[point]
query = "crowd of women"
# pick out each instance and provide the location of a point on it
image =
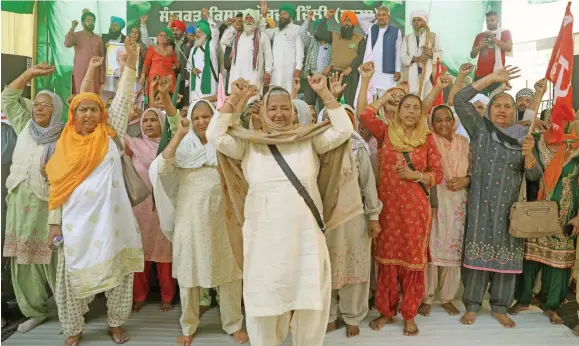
(291, 215)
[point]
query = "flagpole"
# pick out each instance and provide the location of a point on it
(541, 91)
(34, 45)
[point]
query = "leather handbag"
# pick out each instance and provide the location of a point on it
(137, 189)
(533, 219)
(431, 193)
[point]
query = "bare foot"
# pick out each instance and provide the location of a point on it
(516, 308)
(450, 309)
(352, 331)
(166, 307)
(553, 317)
(72, 340)
(504, 320)
(137, 306)
(332, 326)
(203, 309)
(380, 322)
(410, 328)
(424, 309)
(31, 323)
(468, 318)
(241, 337)
(119, 335)
(185, 340)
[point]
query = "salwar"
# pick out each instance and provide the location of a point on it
(351, 301)
(230, 307)
(33, 285)
(502, 288)
(387, 294)
(308, 327)
(166, 281)
(445, 279)
(71, 310)
(554, 285)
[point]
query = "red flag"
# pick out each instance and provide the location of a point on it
(440, 70)
(559, 72)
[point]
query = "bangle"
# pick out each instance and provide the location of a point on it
(169, 149)
(87, 80)
(429, 97)
(230, 103)
(328, 102)
(420, 178)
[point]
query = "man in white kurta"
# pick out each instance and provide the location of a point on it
(203, 81)
(420, 62)
(246, 63)
(286, 274)
(288, 48)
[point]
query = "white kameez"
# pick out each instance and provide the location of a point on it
(102, 239)
(284, 250)
(288, 53)
(411, 49)
(242, 67)
(199, 59)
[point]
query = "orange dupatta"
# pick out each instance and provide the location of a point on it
(555, 167)
(76, 156)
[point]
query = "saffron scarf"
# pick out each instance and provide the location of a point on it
(454, 152)
(398, 138)
(76, 156)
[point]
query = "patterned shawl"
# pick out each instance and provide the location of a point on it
(48, 135)
(256, 36)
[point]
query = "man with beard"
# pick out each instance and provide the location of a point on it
(86, 45)
(288, 48)
(384, 51)
(203, 62)
(182, 48)
(348, 51)
(114, 36)
(523, 99)
(251, 56)
(418, 58)
(492, 46)
(236, 23)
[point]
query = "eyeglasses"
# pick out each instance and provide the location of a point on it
(43, 104)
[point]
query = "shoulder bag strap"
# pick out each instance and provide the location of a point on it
(298, 185)
(411, 166)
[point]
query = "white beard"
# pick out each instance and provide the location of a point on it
(249, 28)
(200, 41)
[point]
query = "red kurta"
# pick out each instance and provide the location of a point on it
(158, 65)
(406, 215)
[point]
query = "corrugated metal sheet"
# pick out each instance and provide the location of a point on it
(150, 327)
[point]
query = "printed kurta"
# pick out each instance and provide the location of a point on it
(86, 45)
(497, 172)
(288, 53)
(406, 215)
(557, 251)
(202, 255)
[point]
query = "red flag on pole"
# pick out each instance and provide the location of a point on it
(440, 70)
(559, 72)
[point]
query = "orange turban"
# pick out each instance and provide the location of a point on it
(76, 156)
(351, 16)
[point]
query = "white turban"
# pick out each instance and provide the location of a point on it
(252, 13)
(420, 14)
(480, 97)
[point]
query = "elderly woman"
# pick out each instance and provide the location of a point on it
(160, 60)
(88, 199)
(409, 166)
(448, 223)
(286, 272)
(33, 266)
(553, 256)
(490, 253)
(156, 246)
(188, 194)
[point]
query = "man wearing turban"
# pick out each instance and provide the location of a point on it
(203, 63)
(182, 48)
(114, 36)
(419, 57)
(288, 48)
(251, 56)
(348, 51)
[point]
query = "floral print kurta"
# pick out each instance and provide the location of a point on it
(406, 215)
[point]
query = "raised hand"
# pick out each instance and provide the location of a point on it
(165, 84)
(155, 83)
(96, 61)
(367, 70)
(465, 69)
(74, 24)
(131, 48)
(310, 16)
(239, 86)
(144, 19)
(183, 127)
(506, 74)
(205, 13)
(266, 79)
(135, 113)
(263, 7)
(251, 91)
(40, 70)
(331, 13)
(336, 86)
(541, 86)
(444, 81)
(318, 82)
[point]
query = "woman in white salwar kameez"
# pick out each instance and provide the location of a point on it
(286, 272)
(190, 205)
(88, 199)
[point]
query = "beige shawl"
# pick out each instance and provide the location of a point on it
(337, 180)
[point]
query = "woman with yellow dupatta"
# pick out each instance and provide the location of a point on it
(89, 202)
(553, 256)
(401, 249)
